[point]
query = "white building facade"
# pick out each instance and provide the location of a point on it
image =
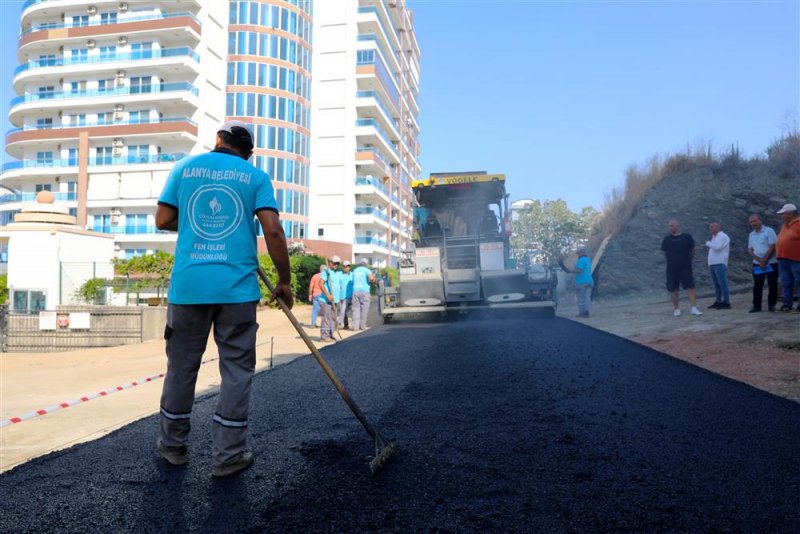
(110, 95)
(364, 136)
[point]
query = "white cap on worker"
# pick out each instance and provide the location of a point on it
(228, 126)
(336, 259)
(345, 263)
(787, 207)
(364, 261)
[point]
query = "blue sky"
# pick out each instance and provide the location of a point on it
(563, 96)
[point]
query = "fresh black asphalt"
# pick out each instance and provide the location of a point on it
(502, 425)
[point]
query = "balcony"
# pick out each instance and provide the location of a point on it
(372, 74)
(372, 161)
(370, 105)
(370, 20)
(176, 127)
(182, 26)
(370, 240)
(371, 215)
(372, 130)
(95, 97)
(127, 229)
(31, 197)
(368, 185)
(108, 61)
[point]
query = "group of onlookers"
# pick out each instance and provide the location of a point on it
(773, 256)
(335, 291)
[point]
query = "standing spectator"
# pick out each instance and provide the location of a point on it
(327, 300)
(678, 249)
(719, 251)
(314, 291)
(345, 293)
(761, 247)
(362, 277)
(583, 282)
(211, 199)
(787, 249)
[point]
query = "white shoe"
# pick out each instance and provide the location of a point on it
(695, 311)
(676, 313)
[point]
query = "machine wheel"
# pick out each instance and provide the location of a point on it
(387, 319)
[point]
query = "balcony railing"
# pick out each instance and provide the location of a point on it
(161, 120)
(127, 229)
(370, 241)
(375, 212)
(373, 9)
(377, 153)
(116, 91)
(128, 160)
(378, 128)
(377, 184)
(110, 58)
(119, 20)
(376, 96)
(31, 197)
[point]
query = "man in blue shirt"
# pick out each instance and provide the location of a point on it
(211, 200)
(362, 277)
(345, 293)
(327, 299)
(583, 282)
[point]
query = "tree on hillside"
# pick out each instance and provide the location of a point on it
(552, 228)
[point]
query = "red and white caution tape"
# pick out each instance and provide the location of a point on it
(87, 398)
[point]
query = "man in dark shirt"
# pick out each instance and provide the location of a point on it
(678, 248)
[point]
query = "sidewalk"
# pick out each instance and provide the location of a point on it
(32, 381)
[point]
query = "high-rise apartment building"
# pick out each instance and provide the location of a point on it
(269, 84)
(110, 95)
(364, 126)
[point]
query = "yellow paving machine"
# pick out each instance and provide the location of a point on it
(461, 259)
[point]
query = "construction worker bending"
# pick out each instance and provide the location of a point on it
(362, 277)
(211, 200)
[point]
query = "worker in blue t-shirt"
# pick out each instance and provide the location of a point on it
(345, 293)
(362, 277)
(583, 282)
(327, 299)
(211, 200)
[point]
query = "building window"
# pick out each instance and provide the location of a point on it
(29, 301)
(79, 54)
(103, 155)
(131, 253)
(139, 117)
(44, 158)
(80, 20)
(72, 156)
(105, 85)
(108, 18)
(108, 52)
(320, 232)
(105, 118)
(138, 153)
(102, 223)
(43, 187)
(44, 123)
(141, 50)
(141, 84)
(47, 60)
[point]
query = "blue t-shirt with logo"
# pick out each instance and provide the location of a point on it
(345, 285)
(585, 276)
(327, 277)
(217, 195)
(361, 279)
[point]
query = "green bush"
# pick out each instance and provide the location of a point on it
(3, 288)
(269, 269)
(92, 291)
(303, 268)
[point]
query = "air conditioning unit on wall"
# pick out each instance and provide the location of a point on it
(92, 10)
(123, 7)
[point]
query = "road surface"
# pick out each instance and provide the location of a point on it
(501, 425)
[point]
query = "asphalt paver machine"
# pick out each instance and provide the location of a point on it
(461, 259)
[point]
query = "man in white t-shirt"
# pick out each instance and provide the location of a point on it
(761, 247)
(719, 249)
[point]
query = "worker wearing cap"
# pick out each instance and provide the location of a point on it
(362, 277)
(787, 249)
(345, 293)
(211, 200)
(327, 299)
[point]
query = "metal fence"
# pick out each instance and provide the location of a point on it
(70, 328)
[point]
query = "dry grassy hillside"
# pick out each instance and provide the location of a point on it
(695, 188)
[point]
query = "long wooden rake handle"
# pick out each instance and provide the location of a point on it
(321, 361)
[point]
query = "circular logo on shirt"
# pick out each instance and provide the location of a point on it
(215, 211)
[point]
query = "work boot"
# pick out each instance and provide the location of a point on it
(714, 306)
(244, 461)
(174, 455)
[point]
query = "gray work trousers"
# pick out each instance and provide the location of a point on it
(344, 305)
(327, 325)
(360, 309)
(186, 335)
